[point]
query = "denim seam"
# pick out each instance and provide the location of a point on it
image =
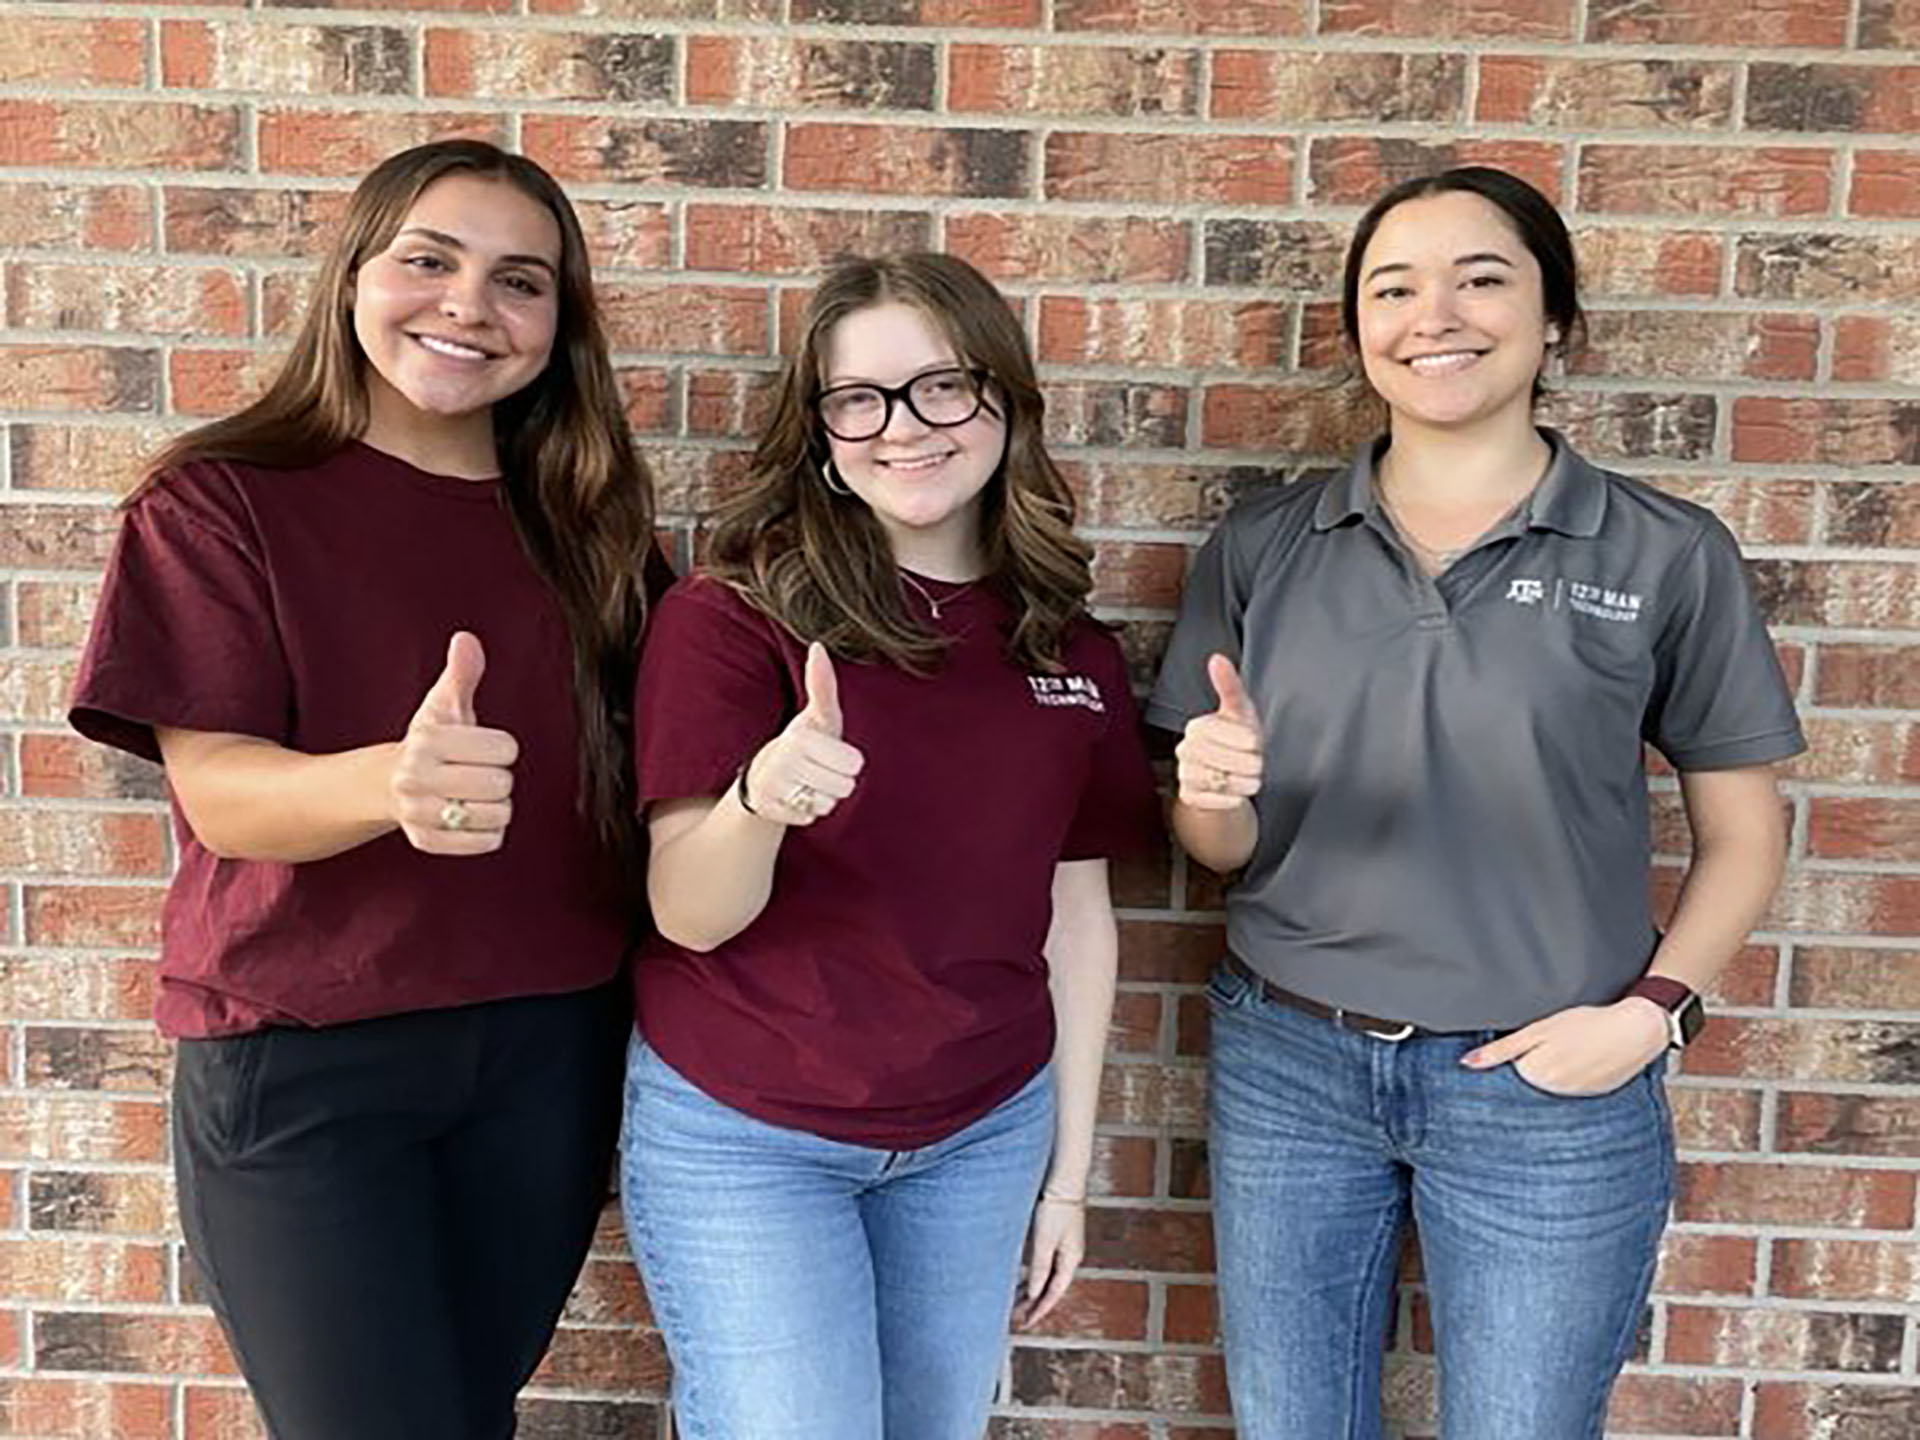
(1389, 1231)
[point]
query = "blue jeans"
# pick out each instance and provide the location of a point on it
(808, 1288)
(1539, 1219)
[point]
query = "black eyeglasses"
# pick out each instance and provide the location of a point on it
(941, 398)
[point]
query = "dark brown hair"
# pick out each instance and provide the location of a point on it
(1533, 219)
(820, 564)
(579, 495)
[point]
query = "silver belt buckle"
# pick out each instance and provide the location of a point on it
(1390, 1037)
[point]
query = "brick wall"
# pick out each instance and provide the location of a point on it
(1165, 185)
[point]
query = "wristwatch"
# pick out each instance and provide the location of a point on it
(1685, 1014)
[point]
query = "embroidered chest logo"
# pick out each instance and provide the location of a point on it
(1526, 592)
(1057, 690)
(1603, 603)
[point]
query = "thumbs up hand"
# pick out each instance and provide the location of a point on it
(1219, 760)
(803, 772)
(452, 779)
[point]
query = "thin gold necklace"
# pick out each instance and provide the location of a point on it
(1435, 558)
(927, 595)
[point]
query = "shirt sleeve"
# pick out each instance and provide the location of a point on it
(1212, 611)
(184, 635)
(714, 685)
(1719, 698)
(1119, 811)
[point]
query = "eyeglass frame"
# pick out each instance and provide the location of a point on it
(892, 395)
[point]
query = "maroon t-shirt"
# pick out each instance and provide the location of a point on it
(893, 989)
(312, 607)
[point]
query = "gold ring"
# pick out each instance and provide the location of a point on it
(453, 815)
(801, 798)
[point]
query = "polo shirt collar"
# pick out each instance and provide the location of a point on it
(1570, 498)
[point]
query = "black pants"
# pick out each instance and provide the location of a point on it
(389, 1215)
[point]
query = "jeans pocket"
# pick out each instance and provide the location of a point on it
(219, 1080)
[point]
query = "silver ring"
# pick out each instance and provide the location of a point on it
(453, 815)
(802, 798)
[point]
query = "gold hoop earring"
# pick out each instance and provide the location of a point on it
(831, 479)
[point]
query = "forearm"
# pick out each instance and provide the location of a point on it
(709, 879)
(250, 799)
(1082, 968)
(1221, 840)
(1726, 892)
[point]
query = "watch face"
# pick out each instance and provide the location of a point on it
(1688, 1020)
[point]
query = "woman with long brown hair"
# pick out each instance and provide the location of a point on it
(380, 627)
(885, 756)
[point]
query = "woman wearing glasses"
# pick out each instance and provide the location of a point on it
(885, 755)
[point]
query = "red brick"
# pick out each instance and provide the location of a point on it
(35, 691)
(1749, 979)
(1775, 430)
(255, 223)
(1696, 1264)
(76, 1409)
(1874, 677)
(60, 1269)
(1633, 94)
(1148, 574)
(45, 50)
(1732, 1193)
(1797, 1340)
(1112, 1380)
(47, 536)
(707, 319)
(84, 1128)
(281, 59)
(1135, 1030)
(908, 160)
(1849, 269)
(1135, 1093)
(1192, 1317)
(1099, 1309)
(1858, 752)
(772, 70)
(609, 1292)
(1694, 180)
(1842, 1270)
(121, 135)
(944, 14)
(1829, 1124)
(1816, 98)
(90, 378)
(53, 615)
(1890, 24)
(349, 143)
(100, 458)
(1669, 345)
(1863, 829)
(1329, 87)
(1451, 19)
(81, 843)
(1117, 414)
(72, 988)
(223, 1412)
(585, 1358)
(649, 398)
(147, 299)
(1886, 183)
(218, 382)
(1198, 334)
(1015, 1427)
(1758, 511)
(1715, 1119)
(1123, 1166)
(715, 154)
(1803, 1049)
(1711, 22)
(38, 215)
(1265, 18)
(1877, 348)
(92, 915)
(1824, 1411)
(528, 64)
(103, 1202)
(1843, 594)
(1169, 169)
(1095, 249)
(766, 240)
(1290, 419)
(164, 1344)
(1647, 1404)
(1051, 80)
(125, 1059)
(1352, 171)
(67, 767)
(1624, 262)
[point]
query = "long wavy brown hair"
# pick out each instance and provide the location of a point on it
(580, 497)
(820, 564)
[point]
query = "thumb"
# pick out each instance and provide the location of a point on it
(1235, 703)
(823, 692)
(450, 701)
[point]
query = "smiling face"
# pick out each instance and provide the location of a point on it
(922, 482)
(460, 310)
(1452, 327)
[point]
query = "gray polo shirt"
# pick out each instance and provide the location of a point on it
(1453, 823)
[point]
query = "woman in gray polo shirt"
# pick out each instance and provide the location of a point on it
(1413, 700)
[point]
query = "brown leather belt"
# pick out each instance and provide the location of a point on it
(1392, 1031)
